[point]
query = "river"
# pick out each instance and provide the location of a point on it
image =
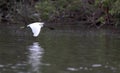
(61, 51)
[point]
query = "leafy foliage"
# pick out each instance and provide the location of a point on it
(103, 11)
(53, 8)
(91, 11)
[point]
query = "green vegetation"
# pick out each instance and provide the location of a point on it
(56, 10)
(94, 12)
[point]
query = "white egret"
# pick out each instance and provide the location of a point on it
(36, 28)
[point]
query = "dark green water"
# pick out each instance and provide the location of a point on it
(57, 51)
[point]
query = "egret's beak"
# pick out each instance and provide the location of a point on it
(22, 27)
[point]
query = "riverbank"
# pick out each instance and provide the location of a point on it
(18, 30)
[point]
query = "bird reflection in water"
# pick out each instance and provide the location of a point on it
(34, 57)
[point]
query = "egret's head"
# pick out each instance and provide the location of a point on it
(41, 24)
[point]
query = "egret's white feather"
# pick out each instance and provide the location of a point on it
(36, 28)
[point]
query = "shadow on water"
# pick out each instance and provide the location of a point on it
(59, 51)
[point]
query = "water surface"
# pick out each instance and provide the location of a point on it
(58, 51)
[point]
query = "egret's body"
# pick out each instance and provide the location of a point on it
(36, 28)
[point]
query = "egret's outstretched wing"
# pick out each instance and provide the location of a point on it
(36, 27)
